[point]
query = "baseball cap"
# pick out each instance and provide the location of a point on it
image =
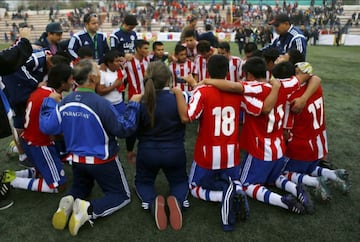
(130, 20)
(304, 67)
(54, 27)
(280, 18)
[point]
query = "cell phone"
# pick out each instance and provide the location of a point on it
(180, 80)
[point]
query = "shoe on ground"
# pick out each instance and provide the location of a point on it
(342, 182)
(62, 214)
(4, 188)
(158, 210)
(305, 198)
(322, 191)
(79, 216)
(175, 215)
(26, 163)
(5, 204)
(241, 205)
(8, 176)
(327, 164)
(293, 204)
(131, 157)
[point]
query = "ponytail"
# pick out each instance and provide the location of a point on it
(150, 99)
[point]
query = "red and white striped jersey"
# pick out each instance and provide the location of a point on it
(217, 143)
(135, 70)
(308, 140)
(32, 133)
(201, 68)
(181, 70)
(262, 136)
(191, 53)
(234, 69)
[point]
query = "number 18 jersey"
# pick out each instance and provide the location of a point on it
(217, 143)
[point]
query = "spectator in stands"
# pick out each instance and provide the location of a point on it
(51, 38)
(289, 37)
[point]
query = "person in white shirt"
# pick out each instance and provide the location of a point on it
(112, 79)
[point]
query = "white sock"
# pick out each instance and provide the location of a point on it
(284, 184)
(26, 173)
(207, 195)
(330, 174)
(264, 195)
(32, 184)
(302, 178)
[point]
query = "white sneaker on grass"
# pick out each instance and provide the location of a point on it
(62, 214)
(79, 216)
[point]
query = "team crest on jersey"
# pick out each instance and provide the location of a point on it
(138, 67)
(177, 72)
(121, 39)
(132, 37)
(86, 43)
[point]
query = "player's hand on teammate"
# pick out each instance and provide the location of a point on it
(118, 82)
(298, 104)
(136, 98)
(275, 82)
(176, 90)
(190, 80)
(56, 96)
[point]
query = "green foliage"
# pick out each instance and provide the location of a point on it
(30, 217)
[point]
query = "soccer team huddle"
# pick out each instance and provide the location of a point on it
(269, 104)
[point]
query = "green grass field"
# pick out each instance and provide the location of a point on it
(339, 220)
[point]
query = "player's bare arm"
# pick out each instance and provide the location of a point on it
(271, 99)
(181, 105)
(190, 79)
(313, 84)
(226, 86)
(103, 90)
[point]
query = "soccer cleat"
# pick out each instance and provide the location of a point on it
(327, 164)
(175, 213)
(61, 216)
(4, 204)
(79, 216)
(322, 191)
(293, 204)
(342, 181)
(304, 197)
(241, 205)
(158, 210)
(8, 176)
(4, 188)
